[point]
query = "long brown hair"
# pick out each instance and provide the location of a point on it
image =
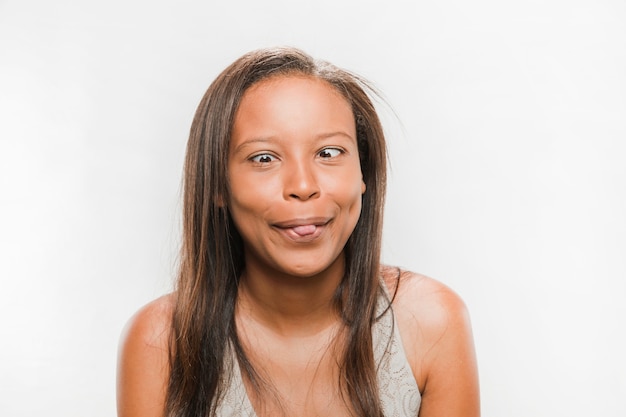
(203, 325)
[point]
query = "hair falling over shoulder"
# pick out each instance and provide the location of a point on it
(203, 323)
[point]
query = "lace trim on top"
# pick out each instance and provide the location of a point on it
(398, 390)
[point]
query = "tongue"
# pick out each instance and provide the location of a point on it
(304, 230)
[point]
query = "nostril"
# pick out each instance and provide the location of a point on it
(303, 196)
(300, 182)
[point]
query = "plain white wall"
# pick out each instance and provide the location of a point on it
(507, 177)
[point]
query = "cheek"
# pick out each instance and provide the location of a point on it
(250, 202)
(243, 205)
(351, 185)
(348, 194)
(245, 193)
(244, 217)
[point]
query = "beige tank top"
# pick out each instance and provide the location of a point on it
(399, 394)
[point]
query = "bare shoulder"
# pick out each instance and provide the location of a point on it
(150, 324)
(437, 338)
(428, 303)
(143, 360)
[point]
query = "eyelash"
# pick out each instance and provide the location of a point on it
(330, 150)
(256, 158)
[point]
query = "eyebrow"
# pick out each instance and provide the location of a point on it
(248, 142)
(337, 133)
(268, 139)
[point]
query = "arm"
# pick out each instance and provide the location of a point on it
(451, 385)
(437, 335)
(143, 363)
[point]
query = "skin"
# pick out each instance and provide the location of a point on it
(294, 168)
(296, 188)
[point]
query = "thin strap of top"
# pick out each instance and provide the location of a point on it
(398, 390)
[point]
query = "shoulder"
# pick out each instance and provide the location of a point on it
(143, 360)
(151, 322)
(436, 334)
(425, 303)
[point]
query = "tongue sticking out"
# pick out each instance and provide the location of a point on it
(304, 230)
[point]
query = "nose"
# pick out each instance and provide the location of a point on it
(300, 182)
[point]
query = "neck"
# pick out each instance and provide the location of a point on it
(288, 305)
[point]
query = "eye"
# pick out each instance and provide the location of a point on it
(329, 152)
(263, 158)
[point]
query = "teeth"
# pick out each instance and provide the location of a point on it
(304, 230)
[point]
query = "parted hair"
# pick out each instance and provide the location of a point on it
(211, 260)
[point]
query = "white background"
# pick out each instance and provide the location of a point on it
(508, 181)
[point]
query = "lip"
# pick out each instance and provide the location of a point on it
(287, 228)
(305, 221)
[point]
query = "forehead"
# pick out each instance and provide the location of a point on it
(293, 102)
(292, 86)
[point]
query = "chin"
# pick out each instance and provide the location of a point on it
(315, 267)
(304, 271)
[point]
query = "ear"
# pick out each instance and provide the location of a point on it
(363, 187)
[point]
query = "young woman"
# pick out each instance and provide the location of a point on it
(282, 307)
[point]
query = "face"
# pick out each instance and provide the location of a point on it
(295, 176)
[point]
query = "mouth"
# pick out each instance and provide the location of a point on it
(305, 229)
